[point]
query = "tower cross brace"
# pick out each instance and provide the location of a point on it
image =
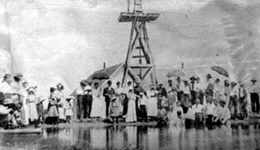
(139, 61)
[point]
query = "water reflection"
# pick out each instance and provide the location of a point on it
(143, 138)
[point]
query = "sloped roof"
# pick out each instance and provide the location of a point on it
(109, 70)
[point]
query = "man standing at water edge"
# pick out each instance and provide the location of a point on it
(79, 97)
(108, 93)
(254, 97)
(87, 100)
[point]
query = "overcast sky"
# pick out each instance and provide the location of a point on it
(66, 40)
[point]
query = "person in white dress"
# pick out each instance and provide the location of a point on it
(32, 106)
(5, 86)
(98, 104)
(131, 112)
(25, 112)
(68, 107)
(152, 109)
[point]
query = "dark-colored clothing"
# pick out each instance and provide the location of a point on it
(87, 105)
(143, 113)
(162, 92)
(209, 121)
(125, 106)
(108, 93)
(79, 106)
(233, 106)
(255, 102)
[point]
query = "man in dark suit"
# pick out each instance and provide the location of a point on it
(108, 93)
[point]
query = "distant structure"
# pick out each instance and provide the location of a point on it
(139, 61)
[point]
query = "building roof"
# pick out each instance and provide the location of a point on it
(109, 70)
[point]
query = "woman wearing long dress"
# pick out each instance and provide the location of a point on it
(98, 104)
(152, 108)
(32, 106)
(25, 113)
(131, 112)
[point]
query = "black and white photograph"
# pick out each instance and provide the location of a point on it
(129, 74)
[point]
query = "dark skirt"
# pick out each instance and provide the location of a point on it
(209, 121)
(143, 113)
(189, 123)
(52, 120)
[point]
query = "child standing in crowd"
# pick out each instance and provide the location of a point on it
(198, 109)
(115, 109)
(131, 112)
(68, 106)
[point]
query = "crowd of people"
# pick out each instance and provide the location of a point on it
(21, 105)
(182, 101)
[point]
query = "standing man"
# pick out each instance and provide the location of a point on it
(254, 97)
(108, 94)
(79, 97)
(87, 100)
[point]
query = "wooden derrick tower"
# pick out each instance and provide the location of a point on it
(139, 62)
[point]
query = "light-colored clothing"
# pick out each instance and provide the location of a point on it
(152, 109)
(190, 114)
(218, 91)
(210, 109)
(61, 100)
(115, 107)
(6, 88)
(98, 104)
(186, 90)
(234, 91)
(53, 111)
(119, 90)
(225, 114)
(254, 88)
(32, 107)
(68, 106)
(131, 112)
(174, 119)
(197, 108)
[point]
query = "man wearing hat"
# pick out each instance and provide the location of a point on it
(254, 89)
(108, 93)
(87, 100)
